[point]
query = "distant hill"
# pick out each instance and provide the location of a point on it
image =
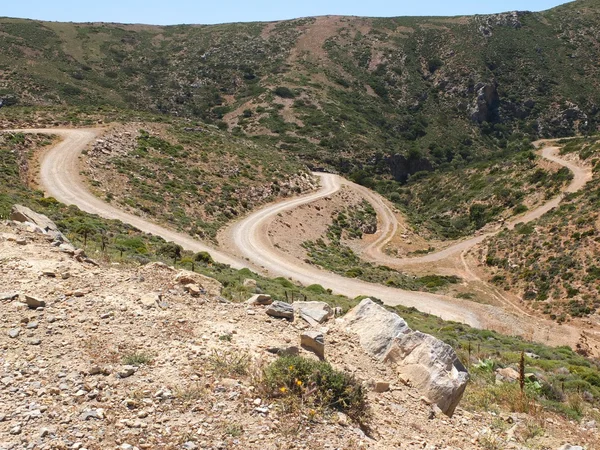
(395, 96)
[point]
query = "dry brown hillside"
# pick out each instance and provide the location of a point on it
(130, 357)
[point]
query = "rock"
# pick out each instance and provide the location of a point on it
(571, 447)
(97, 414)
(20, 213)
(67, 248)
(532, 355)
(97, 370)
(126, 371)
(431, 365)
(317, 312)
(281, 309)
(381, 386)
(250, 283)
(34, 303)
(21, 241)
(531, 377)
(8, 296)
(508, 375)
(314, 342)
(289, 351)
(211, 286)
(14, 333)
(32, 325)
(193, 289)
(34, 341)
(150, 300)
(485, 105)
(190, 445)
(49, 273)
(260, 299)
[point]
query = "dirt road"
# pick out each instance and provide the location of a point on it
(61, 178)
(374, 253)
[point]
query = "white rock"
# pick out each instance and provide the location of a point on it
(313, 311)
(431, 365)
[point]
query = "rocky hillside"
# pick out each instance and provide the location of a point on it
(451, 204)
(99, 355)
(397, 95)
(552, 263)
(192, 178)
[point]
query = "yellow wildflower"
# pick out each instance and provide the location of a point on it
(283, 389)
(298, 382)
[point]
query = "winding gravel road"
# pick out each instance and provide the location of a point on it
(61, 179)
(375, 253)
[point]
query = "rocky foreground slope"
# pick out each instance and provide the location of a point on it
(96, 355)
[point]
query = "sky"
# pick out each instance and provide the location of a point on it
(169, 12)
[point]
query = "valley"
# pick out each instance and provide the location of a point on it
(325, 232)
(249, 240)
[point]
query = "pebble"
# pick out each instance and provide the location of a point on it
(126, 371)
(14, 333)
(8, 296)
(92, 414)
(34, 302)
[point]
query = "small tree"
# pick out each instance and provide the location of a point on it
(85, 229)
(203, 257)
(188, 260)
(171, 250)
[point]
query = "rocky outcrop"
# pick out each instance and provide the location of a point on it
(431, 365)
(486, 104)
(40, 222)
(509, 19)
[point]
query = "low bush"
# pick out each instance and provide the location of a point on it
(317, 385)
(136, 359)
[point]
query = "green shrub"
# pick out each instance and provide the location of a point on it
(136, 359)
(318, 384)
(284, 92)
(317, 289)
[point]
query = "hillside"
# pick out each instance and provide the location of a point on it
(133, 357)
(552, 263)
(393, 96)
(193, 179)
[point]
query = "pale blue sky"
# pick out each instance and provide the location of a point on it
(161, 12)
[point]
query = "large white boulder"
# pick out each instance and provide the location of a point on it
(20, 213)
(431, 365)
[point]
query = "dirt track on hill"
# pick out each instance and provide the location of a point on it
(60, 177)
(374, 253)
